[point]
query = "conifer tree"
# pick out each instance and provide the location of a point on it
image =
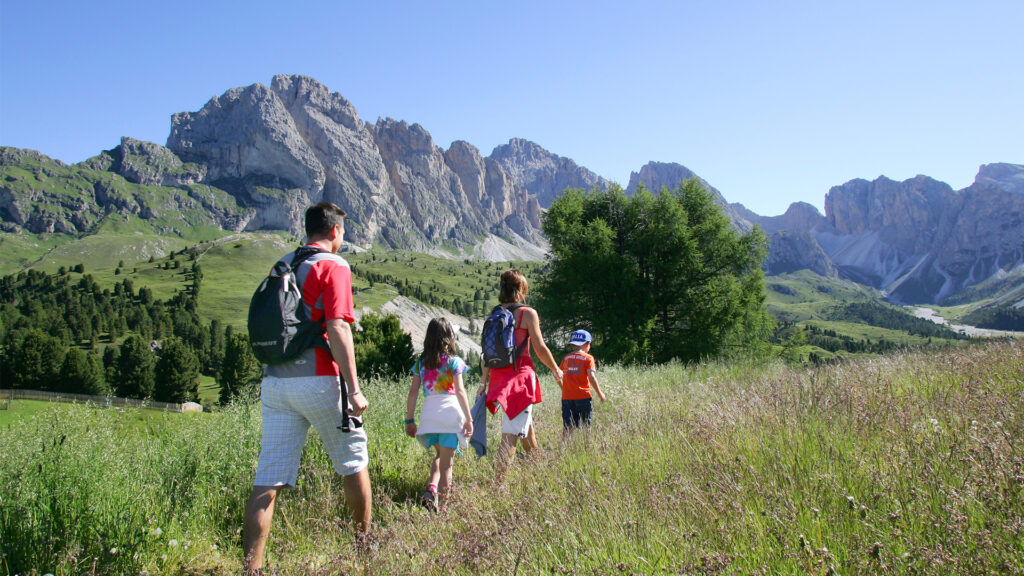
(177, 373)
(240, 372)
(82, 373)
(134, 373)
(36, 361)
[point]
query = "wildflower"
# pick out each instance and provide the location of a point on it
(172, 543)
(157, 531)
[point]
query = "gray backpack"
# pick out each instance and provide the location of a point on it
(279, 327)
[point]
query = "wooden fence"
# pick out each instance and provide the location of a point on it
(6, 396)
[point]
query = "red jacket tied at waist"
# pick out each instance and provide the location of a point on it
(512, 387)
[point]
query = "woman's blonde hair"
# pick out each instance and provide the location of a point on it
(514, 287)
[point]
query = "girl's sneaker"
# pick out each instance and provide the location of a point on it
(429, 500)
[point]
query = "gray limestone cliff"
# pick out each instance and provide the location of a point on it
(921, 242)
(792, 250)
(280, 148)
(543, 174)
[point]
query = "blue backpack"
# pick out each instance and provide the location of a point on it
(497, 339)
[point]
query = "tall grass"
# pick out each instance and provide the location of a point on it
(903, 464)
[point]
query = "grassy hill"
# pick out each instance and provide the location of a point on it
(843, 318)
(234, 264)
(902, 464)
(59, 215)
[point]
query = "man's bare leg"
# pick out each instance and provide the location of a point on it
(259, 512)
(359, 496)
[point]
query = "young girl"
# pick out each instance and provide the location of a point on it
(445, 422)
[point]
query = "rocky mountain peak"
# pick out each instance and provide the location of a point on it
(657, 175)
(905, 214)
(793, 250)
(305, 92)
(281, 148)
(543, 174)
(800, 216)
(151, 164)
(1006, 177)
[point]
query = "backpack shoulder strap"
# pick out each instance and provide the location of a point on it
(512, 308)
(303, 253)
(517, 321)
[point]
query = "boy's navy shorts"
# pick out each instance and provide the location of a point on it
(576, 413)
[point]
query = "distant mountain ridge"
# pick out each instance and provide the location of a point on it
(918, 241)
(254, 157)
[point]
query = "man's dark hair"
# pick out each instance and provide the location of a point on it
(322, 217)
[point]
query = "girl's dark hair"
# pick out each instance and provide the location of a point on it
(440, 339)
(322, 217)
(513, 287)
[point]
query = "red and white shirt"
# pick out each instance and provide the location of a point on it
(326, 282)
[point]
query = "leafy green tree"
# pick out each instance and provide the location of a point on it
(654, 277)
(134, 376)
(177, 373)
(382, 348)
(240, 372)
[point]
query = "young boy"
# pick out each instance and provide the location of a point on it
(577, 380)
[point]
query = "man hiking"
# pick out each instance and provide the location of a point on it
(307, 390)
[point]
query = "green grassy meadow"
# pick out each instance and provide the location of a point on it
(899, 464)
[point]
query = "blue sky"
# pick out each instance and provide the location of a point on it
(770, 102)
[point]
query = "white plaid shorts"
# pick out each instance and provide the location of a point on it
(289, 406)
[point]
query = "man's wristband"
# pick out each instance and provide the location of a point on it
(409, 421)
(354, 393)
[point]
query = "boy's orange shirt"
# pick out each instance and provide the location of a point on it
(575, 367)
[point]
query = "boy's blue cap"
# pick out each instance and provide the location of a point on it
(580, 337)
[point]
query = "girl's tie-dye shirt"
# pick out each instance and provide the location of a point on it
(440, 380)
